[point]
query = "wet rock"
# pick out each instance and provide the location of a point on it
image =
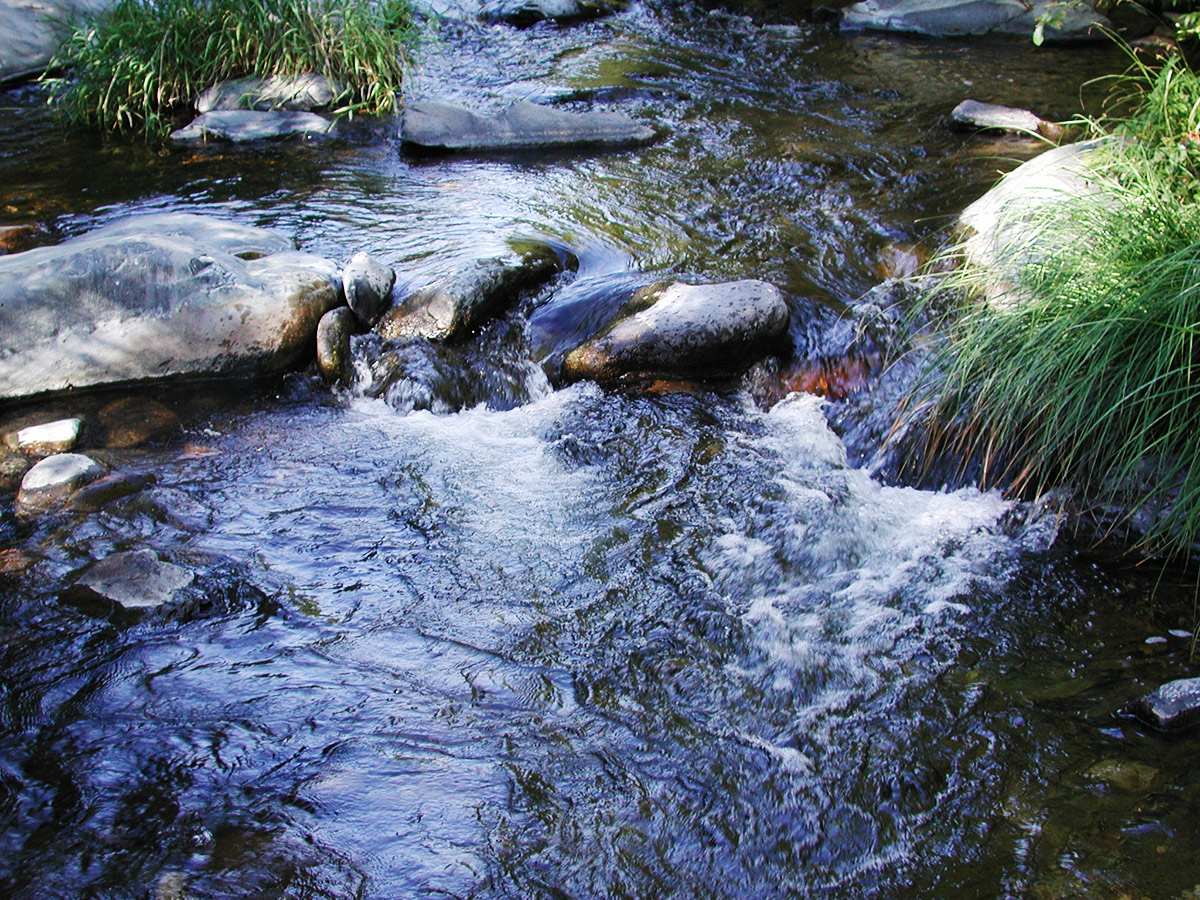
(1124, 775)
(55, 479)
(137, 579)
(133, 421)
(333, 344)
(32, 30)
(524, 13)
(943, 18)
(245, 125)
(13, 467)
(456, 303)
(112, 487)
(971, 114)
(523, 126)
(158, 296)
(685, 330)
(275, 92)
(896, 261)
(46, 439)
(1172, 707)
(367, 284)
(12, 236)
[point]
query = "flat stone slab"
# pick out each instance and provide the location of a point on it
(300, 92)
(1172, 707)
(137, 579)
(158, 296)
(971, 115)
(522, 126)
(241, 126)
(686, 331)
(55, 478)
(945, 18)
(48, 438)
(525, 13)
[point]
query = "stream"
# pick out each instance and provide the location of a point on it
(458, 633)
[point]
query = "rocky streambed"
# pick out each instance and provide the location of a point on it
(538, 541)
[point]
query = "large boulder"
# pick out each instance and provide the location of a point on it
(451, 305)
(437, 126)
(944, 18)
(167, 295)
(241, 126)
(524, 13)
(31, 32)
(273, 92)
(685, 330)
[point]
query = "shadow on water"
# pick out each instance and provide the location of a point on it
(457, 633)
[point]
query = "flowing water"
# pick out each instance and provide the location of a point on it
(457, 633)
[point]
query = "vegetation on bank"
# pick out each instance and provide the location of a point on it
(142, 62)
(1092, 378)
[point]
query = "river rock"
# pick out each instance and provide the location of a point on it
(685, 330)
(454, 304)
(137, 579)
(367, 284)
(48, 438)
(1172, 707)
(522, 126)
(333, 344)
(274, 92)
(132, 421)
(31, 32)
(114, 486)
(158, 296)
(524, 13)
(971, 114)
(944, 18)
(55, 478)
(244, 125)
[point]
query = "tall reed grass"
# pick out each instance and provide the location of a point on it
(141, 63)
(1092, 378)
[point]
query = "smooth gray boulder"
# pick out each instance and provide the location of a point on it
(1172, 707)
(31, 32)
(136, 579)
(522, 126)
(524, 13)
(945, 18)
(170, 295)
(274, 92)
(241, 126)
(455, 303)
(333, 344)
(971, 115)
(54, 479)
(367, 285)
(685, 330)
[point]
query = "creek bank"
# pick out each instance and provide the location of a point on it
(434, 126)
(160, 296)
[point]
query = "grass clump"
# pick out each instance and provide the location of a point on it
(142, 62)
(1090, 378)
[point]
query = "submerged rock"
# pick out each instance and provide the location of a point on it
(132, 421)
(971, 114)
(333, 344)
(367, 284)
(1172, 707)
(452, 305)
(55, 479)
(944, 18)
(245, 125)
(275, 92)
(685, 330)
(31, 32)
(524, 13)
(158, 296)
(48, 438)
(137, 579)
(522, 126)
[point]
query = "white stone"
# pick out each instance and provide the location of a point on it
(55, 478)
(51, 437)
